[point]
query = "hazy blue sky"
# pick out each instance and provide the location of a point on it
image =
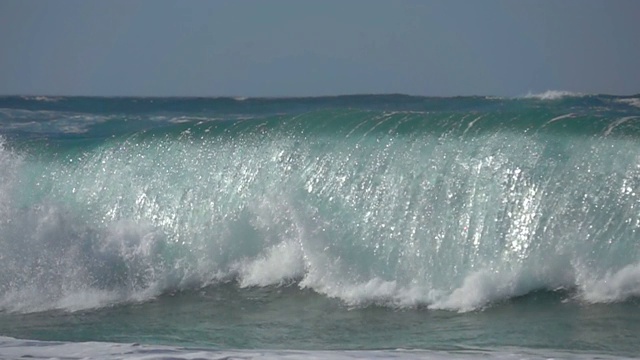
(300, 48)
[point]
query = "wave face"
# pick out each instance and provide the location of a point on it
(451, 203)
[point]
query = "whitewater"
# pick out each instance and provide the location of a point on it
(344, 227)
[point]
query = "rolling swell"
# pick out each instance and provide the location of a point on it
(448, 209)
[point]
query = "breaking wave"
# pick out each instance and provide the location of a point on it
(445, 210)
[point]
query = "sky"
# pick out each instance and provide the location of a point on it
(313, 48)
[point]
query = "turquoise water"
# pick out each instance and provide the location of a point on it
(224, 317)
(323, 224)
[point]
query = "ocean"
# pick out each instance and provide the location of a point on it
(348, 227)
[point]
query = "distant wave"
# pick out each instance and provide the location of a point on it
(552, 95)
(631, 101)
(43, 98)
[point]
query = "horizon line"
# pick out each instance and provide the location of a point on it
(530, 94)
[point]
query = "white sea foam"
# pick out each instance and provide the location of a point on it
(616, 123)
(282, 264)
(552, 95)
(51, 121)
(631, 101)
(375, 291)
(43, 98)
(189, 119)
(614, 286)
(10, 162)
(477, 290)
(561, 117)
